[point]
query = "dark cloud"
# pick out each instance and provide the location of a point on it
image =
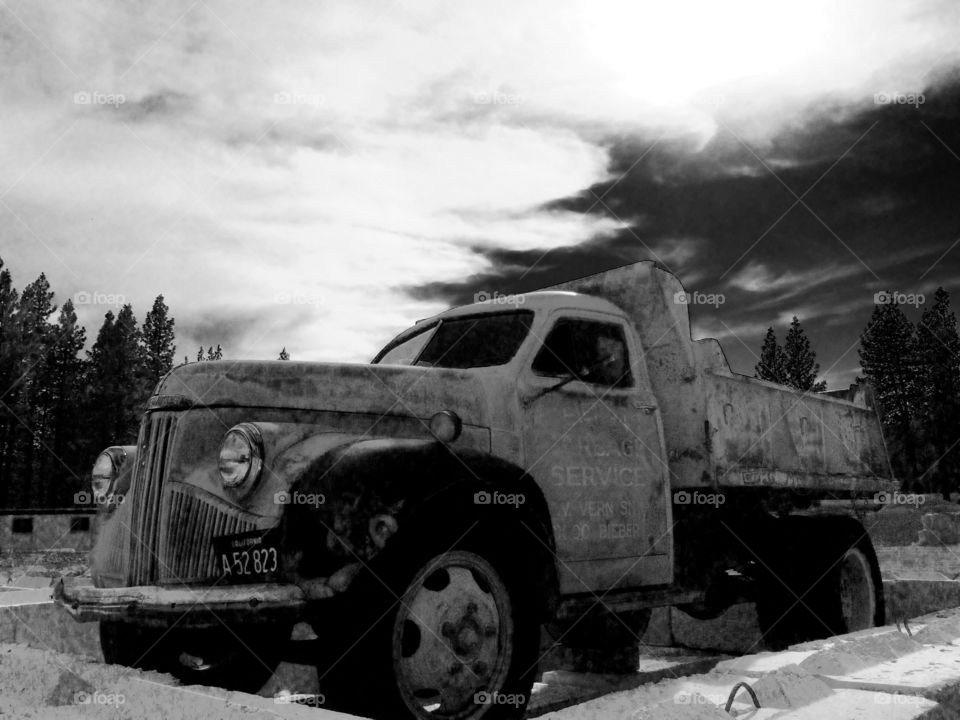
(160, 104)
(878, 185)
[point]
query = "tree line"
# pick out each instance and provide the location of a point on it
(911, 376)
(913, 370)
(61, 405)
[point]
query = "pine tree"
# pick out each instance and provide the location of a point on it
(116, 384)
(938, 353)
(215, 354)
(158, 346)
(9, 366)
(772, 365)
(62, 380)
(284, 355)
(30, 396)
(889, 359)
(800, 361)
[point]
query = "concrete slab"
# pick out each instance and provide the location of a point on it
(38, 683)
(782, 696)
(13, 597)
(36, 621)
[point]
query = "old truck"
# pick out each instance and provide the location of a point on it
(565, 459)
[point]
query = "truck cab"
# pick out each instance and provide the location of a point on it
(572, 406)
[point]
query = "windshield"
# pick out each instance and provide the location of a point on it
(463, 342)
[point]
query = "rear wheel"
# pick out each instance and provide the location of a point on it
(436, 633)
(824, 581)
(235, 659)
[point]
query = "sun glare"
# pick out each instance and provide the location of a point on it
(665, 54)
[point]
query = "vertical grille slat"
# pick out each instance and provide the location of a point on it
(193, 521)
(155, 446)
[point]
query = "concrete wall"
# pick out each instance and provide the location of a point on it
(46, 531)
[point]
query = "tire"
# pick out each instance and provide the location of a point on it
(442, 627)
(244, 661)
(833, 586)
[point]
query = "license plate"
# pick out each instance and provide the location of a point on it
(248, 557)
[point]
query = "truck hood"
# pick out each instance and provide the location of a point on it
(335, 387)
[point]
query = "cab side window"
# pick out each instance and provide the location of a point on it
(594, 352)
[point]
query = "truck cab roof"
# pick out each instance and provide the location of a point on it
(534, 301)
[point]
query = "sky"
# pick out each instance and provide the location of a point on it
(317, 176)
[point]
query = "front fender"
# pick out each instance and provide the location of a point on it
(348, 504)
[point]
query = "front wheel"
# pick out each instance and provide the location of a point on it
(449, 634)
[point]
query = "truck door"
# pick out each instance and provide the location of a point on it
(592, 440)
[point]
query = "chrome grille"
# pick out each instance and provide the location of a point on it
(155, 445)
(193, 518)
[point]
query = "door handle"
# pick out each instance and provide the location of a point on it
(643, 407)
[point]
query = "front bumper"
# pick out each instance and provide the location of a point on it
(185, 606)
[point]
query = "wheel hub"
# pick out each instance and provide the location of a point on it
(451, 641)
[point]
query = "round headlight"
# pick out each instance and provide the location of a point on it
(103, 476)
(241, 456)
(446, 426)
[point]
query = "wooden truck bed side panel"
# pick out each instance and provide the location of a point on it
(764, 435)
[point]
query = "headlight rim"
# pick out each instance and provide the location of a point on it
(254, 439)
(116, 463)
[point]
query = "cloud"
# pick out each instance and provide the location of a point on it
(367, 163)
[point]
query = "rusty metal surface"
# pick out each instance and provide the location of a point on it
(270, 601)
(724, 429)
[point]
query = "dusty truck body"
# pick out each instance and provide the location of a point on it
(568, 458)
